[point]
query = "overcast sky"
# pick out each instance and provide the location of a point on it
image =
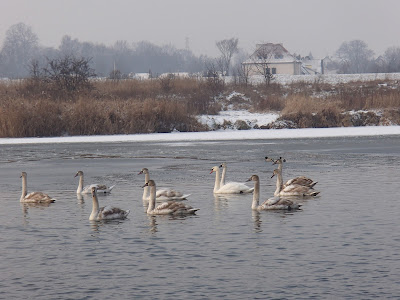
(319, 26)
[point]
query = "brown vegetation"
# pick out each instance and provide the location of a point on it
(351, 104)
(33, 108)
(110, 108)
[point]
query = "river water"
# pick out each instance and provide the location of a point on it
(344, 244)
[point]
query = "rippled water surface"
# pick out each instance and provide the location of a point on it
(344, 244)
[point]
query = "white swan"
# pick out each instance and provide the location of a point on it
(300, 180)
(107, 212)
(101, 188)
(274, 203)
(33, 197)
(293, 189)
(163, 194)
(166, 208)
(230, 187)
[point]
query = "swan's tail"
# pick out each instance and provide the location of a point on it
(313, 194)
(295, 206)
(111, 187)
(249, 191)
(314, 183)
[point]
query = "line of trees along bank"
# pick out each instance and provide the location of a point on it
(21, 47)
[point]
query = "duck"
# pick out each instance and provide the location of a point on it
(230, 187)
(101, 188)
(166, 208)
(107, 212)
(33, 197)
(163, 194)
(300, 180)
(293, 189)
(275, 203)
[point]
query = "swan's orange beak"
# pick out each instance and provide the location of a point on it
(211, 171)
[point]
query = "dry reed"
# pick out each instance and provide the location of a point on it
(33, 108)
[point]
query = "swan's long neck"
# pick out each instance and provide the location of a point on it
(95, 209)
(280, 165)
(146, 189)
(152, 201)
(279, 183)
(256, 195)
(223, 176)
(80, 185)
(217, 182)
(24, 188)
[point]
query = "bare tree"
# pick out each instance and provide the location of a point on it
(69, 46)
(19, 48)
(34, 70)
(239, 72)
(355, 56)
(214, 81)
(68, 74)
(260, 62)
(392, 59)
(115, 75)
(227, 48)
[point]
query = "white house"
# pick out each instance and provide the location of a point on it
(271, 59)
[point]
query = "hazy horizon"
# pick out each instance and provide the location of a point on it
(304, 26)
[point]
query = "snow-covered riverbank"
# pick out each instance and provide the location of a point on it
(216, 135)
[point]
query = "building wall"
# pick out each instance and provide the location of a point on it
(290, 68)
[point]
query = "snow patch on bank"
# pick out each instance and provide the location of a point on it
(227, 119)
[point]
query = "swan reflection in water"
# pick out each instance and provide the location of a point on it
(153, 224)
(221, 201)
(81, 201)
(258, 215)
(256, 220)
(155, 221)
(26, 206)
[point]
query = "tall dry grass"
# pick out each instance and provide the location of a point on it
(323, 105)
(32, 108)
(126, 106)
(303, 104)
(24, 118)
(307, 112)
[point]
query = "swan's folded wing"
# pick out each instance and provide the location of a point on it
(271, 201)
(235, 188)
(38, 197)
(110, 212)
(301, 180)
(163, 205)
(168, 193)
(101, 186)
(295, 188)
